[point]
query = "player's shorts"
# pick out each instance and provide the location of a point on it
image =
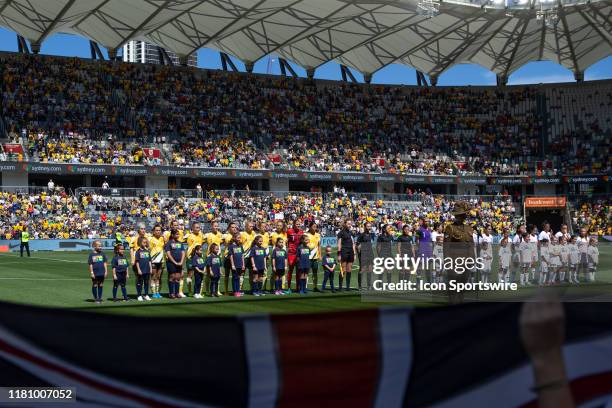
(280, 272)
(347, 256)
(227, 266)
(157, 265)
(526, 264)
(172, 268)
(188, 263)
(121, 278)
(304, 271)
(292, 259)
(96, 280)
(259, 272)
(592, 267)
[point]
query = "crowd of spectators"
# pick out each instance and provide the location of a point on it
(96, 215)
(74, 110)
(596, 215)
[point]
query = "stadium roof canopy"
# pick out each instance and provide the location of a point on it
(500, 35)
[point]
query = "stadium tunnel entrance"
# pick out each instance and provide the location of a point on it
(208, 184)
(349, 187)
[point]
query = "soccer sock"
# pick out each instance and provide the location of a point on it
(181, 285)
(562, 276)
(189, 285)
(124, 291)
(115, 290)
(94, 292)
(359, 278)
(305, 285)
(289, 276)
(315, 279)
(348, 280)
(100, 292)
(340, 281)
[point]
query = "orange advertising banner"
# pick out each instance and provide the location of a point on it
(545, 202)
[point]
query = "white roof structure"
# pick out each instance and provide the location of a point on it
(500, 35)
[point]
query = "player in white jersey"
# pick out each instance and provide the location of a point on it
(438, 253)
(505, 256)
(564, 251)
(583, 243)
(526, 258)
(573, 260)
(515, 266)
(544, 261)
(486, 253)
(592, 259)
(555, 261)
(533, 240)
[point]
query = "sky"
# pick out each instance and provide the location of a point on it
(462, 74)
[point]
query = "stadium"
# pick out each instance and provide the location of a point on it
(177, 232)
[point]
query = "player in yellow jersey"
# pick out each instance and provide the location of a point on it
(232, 229)
(263, 231)
(156, 247)
(280, 232)
(213, 237)
(248, 236)
(314, 244)
(193, 238)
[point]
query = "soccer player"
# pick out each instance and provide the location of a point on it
(314, 244)
(525, 257)
(346, 253)
(486, 253)
(329, 266)
(199, 268)
(235, 255)
(505, 256)
(213, 265)
(279, 264)
(175, 257)
(143, 269)
(156, 242)
(140, 233)
(119, 267)
(592, 259)
(97, 270)
(232, 229)
(247, 237)
(258, 265)
(574, 260)
(564, 251)
(294, 235)
(384, 247)
(193, 238)
(544, 260)
(555, 261)
(438, 253)
(582, 242)
(303, 262)
(405, 247)
(516, 262)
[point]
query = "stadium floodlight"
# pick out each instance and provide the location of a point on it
(428, 8)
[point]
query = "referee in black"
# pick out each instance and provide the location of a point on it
(24, 239)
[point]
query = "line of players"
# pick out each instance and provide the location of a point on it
(545, 258)
(267, 260)
(274, 258)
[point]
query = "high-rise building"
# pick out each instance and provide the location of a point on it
(147, 53)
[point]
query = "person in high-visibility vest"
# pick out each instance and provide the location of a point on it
(25, 241)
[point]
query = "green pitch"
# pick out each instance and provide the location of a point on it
(60, 279)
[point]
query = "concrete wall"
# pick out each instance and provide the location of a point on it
(279, 184)
(153, 183)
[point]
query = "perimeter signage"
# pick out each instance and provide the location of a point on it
(200, 172)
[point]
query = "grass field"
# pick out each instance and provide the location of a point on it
(60, 279)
